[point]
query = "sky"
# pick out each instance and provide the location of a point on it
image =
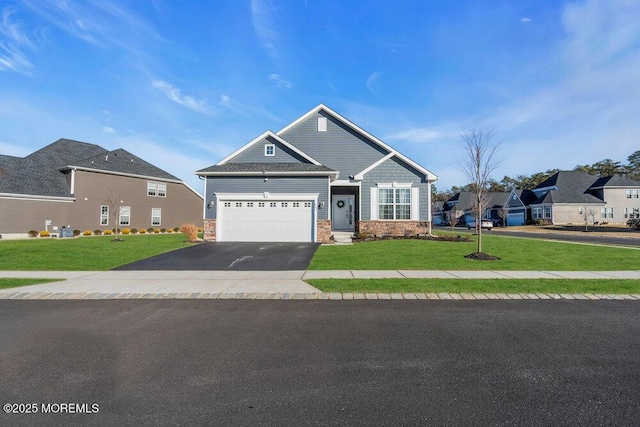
(182, 84)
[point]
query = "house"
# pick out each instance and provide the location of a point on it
(574, 197)
(318, 176)
(76, 184)
(504, 208)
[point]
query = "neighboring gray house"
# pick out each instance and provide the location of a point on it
(573, 197)
(68, 183)
(504, 208)
(318, 175)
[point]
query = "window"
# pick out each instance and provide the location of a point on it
(270, 150)
(156, 217)
(285, 204)
(104, 215)
(261, 204)
(307, 204)
(322, 124)
(580, 210)
(238, 204)
(633, 194)
(249, 204)
(273, 204)
(227, 204)
(538, 211)
(296, 204)
(394, 203)
(125, 215)
(606, 213)
(547, 212)
(152, 188)
(156, 189)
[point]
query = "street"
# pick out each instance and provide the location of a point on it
(229, 362)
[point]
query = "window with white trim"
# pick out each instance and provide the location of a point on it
(104, 215)
(631, 213)
(125, 215)
(394, 203)
(273, 204)
(152, 188)
(156, 217)
(162, 189)
(606, 212)
(227, 204)
(261, 204)
(322, 124)
(547, 212)
(633, 194)
(269, 150)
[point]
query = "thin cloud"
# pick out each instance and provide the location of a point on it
(13, 40)
(108, 129)
(372, 82)
(175, 95)
(262, 12)
(525, 20)
(231, 104)
(279, 81)
(417, 135)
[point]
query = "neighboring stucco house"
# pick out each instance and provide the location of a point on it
(69, 183)
(504, 208)
(318, 175)
(568, 196)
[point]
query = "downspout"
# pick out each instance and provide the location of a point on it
(73, 181)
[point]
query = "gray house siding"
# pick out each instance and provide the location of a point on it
(394, 170)
(255, 154)
(339, 148)
(251, 184)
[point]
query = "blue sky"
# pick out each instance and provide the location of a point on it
(182, 84)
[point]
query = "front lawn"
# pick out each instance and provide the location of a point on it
(516, 286)
(516, 254)
(16, 283)
(84, 253)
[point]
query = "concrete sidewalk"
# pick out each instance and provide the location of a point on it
(269, 284)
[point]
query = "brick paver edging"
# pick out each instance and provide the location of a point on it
(315, 296)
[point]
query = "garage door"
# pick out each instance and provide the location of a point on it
(265, 221)
(514, 219)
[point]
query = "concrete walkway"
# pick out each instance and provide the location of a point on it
(272, 284)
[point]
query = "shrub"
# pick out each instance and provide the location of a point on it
(87, 233)
(134, 231)
(76, 233)
(169, 230)
(634, 223)
(150, 230)
(108, 232)
(163, 230)
(176, 229)
(33, 233)
(97, 232)
(126, 231)
(143, 231)
(156, 230)
(191, 231)
(200, 230)
(44, 233)
(113, 230)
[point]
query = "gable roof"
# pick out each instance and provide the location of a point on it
(265, 135)
(268, 169)
(465, 200)
(566, 187)
(614, 181)
(41, 172)
(321, 107)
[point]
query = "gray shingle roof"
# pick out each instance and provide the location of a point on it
(615, 181)
(266, 167)
(41, 172)
(121, 161)
(572, 187)
(466, 200)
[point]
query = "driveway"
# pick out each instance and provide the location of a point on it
(323, 362)
(232, 256)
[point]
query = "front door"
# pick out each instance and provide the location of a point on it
(342, 213)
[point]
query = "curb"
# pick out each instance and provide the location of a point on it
(313, 296)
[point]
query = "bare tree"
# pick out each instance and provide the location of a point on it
(479, 162)
(453, 219)
(589, 212)
(503, 212)
(113, 200)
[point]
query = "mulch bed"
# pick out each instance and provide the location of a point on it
(481, 256)
(435, 238)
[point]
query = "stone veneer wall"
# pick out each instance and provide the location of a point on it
(394, 228)
(209, 230)
(324, 230)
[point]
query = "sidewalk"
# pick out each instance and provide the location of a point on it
(272, 284)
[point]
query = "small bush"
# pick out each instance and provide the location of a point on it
(163, 230)
(143, 231)
(108, 232)
(97, 232)
(44, 233)
(200, 230)
(33, 233)
(169, 230)
(150, 230)
(634, 223)
(87, 233)
(113, 230)
(76, 233)
(191, 231)
(134, 231)
(156, 230)
(176, 229)
(126, 231)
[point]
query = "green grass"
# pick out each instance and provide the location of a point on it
(554, 286)
(16, 283)
(84, 253)
(516, 254)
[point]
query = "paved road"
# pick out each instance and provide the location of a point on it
(232, 256)
(323, 362)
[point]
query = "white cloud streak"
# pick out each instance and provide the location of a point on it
(279, 81)
(175, 95)
(372, 82)
(12, 42)
(262, 18)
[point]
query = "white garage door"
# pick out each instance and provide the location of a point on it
(265, 221)
(514, 219)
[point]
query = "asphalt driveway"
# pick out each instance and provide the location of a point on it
(232, 256)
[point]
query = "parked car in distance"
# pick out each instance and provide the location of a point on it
(486, 224)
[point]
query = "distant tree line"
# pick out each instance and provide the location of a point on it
(606, 167)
